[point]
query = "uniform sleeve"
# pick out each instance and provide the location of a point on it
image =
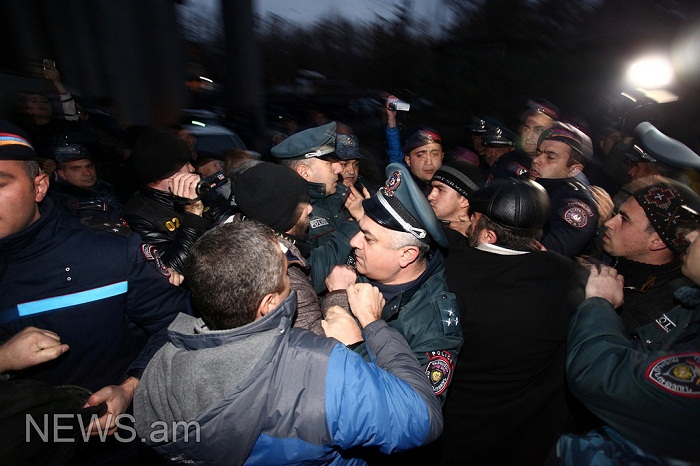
(333, 252)
(389, 404)
(152, 302)
(393, 145)
(570, 228)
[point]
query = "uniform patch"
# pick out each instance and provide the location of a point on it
(393, 183)
(318, 222)
(678, 374)
(577, 214)
(151, 254)
(439, 370)
(665, 323)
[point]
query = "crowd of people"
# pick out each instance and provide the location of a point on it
(529, 300)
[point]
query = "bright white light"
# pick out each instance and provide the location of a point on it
(205, 79)
(650, 73)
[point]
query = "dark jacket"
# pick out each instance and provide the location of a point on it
(646, 390)
(100, 201)
(100, 291)
(266, 393)
(508, 402)
(574, 216)
(649, 290)
(160, 221)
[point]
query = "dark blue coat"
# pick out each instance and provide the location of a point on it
(100, 291)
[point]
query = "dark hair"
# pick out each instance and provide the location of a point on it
(230, 270)
(505, 237)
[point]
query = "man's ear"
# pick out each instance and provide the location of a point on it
(656, 243)
(407, 160)
(575, 169)
(409, 254)
(41, 186)
(268, 303)
(61, 174)
(303, 170)
(463, 202)
(488, 236)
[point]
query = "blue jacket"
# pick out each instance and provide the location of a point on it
(646, 390)
(266, 393)
(100, 291)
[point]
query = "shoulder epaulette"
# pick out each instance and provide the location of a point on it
(99, 223)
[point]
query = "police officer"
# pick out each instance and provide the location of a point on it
(312, 154)
(574, 217)
(96, 287)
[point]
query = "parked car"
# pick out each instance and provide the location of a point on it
(211, 135)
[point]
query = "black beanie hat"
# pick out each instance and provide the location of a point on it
(421, 138)
(158, 154)
(271, 194)
(14, 143)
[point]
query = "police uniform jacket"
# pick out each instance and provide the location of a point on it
(574, 217)
(100, 291)
(328, 214)
(265, 393)
(427, 315)
(99, 201)
(647, 390)
(155, 216)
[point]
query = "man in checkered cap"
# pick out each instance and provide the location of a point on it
(646, 240)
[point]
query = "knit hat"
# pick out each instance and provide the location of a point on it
(421, 138)
(14, 143)
(513, 203)
(460, 176)
(672, 209)
(271, 194)
(159, 154)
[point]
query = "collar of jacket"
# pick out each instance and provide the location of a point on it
(637, 274)
(316, 190)
(162, 197)
(33, 239)
(186, 332)
(436, 263)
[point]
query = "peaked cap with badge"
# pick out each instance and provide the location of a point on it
(399, 205)
(313, 142)
(347, 147)
(421, 138)
(499, 136)
(15, 144)
(651, 145)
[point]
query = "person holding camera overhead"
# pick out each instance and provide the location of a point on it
(422, 153)
(167, 210)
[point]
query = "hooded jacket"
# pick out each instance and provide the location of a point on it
(266, 393)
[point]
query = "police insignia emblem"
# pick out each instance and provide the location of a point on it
(439, 370)
(393, 183)
(678, 374)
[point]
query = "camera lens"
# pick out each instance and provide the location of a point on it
(203, 187)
